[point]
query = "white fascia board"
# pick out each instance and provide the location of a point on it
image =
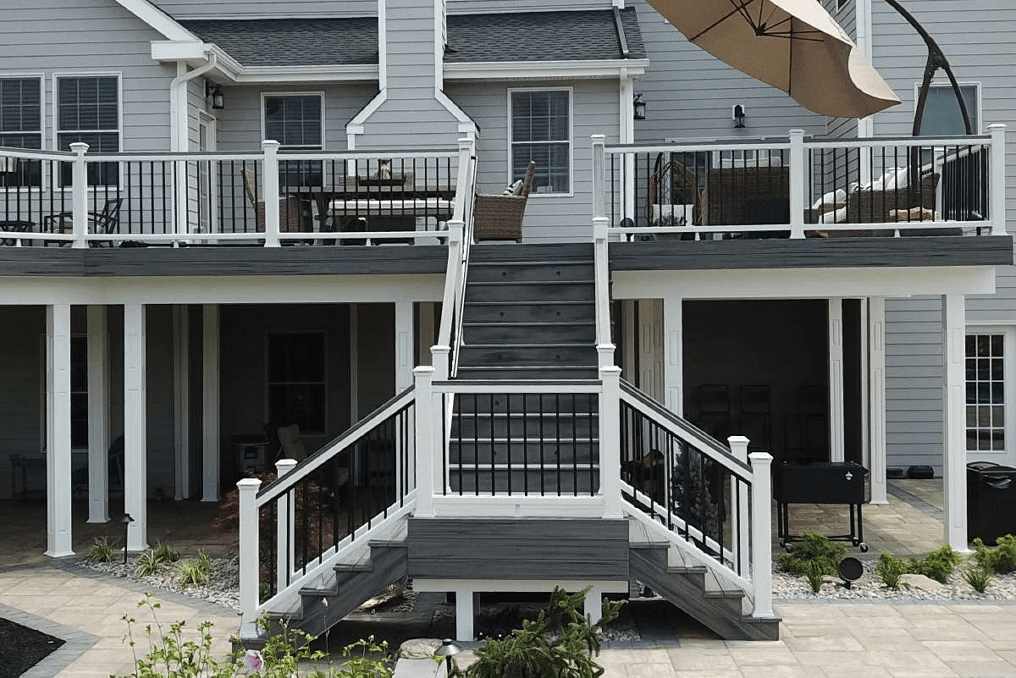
(804, 283)
(182, 50)
(531, 70)
(157, 20)
(337, 73)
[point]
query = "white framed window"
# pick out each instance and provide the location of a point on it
(297, 381)
(296, 121)
(88, 110)
(990, 383)
(541, 131)
(942, 116)
(21, 107)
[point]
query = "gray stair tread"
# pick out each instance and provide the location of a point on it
(723, 594)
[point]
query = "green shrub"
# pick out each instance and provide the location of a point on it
(999, 560)
(978, 577)
(101, 550)
(166, 553)
(937, 565)
(889, 569)
(148, 563)
(814, 548)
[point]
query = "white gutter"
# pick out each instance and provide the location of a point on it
(862, 21)
(178, 139)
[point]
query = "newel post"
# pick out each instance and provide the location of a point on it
(762, 533)
(739, 499)
(610, 441)
(798, 182)
(426, 422)
(284, 528)
(440, 358)
(79, 195)
(249, 556)
(997, 179)
(271, 196)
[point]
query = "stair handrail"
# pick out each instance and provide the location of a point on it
(601, 263)
(460, 237)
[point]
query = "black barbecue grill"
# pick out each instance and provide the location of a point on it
(820, 482)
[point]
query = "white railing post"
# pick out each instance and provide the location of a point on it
(425, 420)
(604, 347)
(439, 358)
(79, 195)
(271, 195)
(739, 504)
(762, 533)
(997, 192)
(180, 205)
(249, 556)
(799, 175)
(283, 529)
(610, 441)
(599, 162)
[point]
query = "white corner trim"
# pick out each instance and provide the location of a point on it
(355, 126)
(157, 20)
(453, 108)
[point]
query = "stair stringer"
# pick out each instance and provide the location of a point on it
(717, 582)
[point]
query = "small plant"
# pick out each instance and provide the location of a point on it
(192, 574)
(814, 574)
(999, 560)
(101, 550)
(366, 659)
(890, 569)
(938, 565)
(147, 564)
(166, 553)
(978, 577)
(205, 562)
(813, 551)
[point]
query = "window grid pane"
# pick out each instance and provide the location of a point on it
(540, 133)
(985, 404)
(297, 384)
(21, 127)
(88, 111)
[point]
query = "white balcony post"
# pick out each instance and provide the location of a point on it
(249, 556)
(739, 504)
(599, 161)
(610, 441)
(997, 192)
(425, 425)
(135, 425)
(799, 174)
(283, 530)
(440, 358)
(271, 196)
(604, 346)
(79, 195)
(762, 533)
(876, 404)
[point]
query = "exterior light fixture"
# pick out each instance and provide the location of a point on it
(639, 107)
(213, 95)
(739, 116)
(447, 649)
(126, 520)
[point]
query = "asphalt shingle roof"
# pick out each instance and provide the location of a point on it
(472, 38)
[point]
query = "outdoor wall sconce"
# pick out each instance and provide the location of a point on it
(639, 107)
(739, 116)
(213, 95)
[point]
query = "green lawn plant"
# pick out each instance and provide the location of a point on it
(890, 570)
(814, 556)
(559, 643)
(978, 577)
(101, 550)
(998, 560)
(937, 565)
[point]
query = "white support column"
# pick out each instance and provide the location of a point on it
(79, 195)
(98, 415)
(799, 170)
(181, 401)
(425, 435)
(610, 442)
(762, 533)
(739, 502)
(593, 604)
(876, 399)
(464, 611)
(210, 404)
(954, 454)
(836, 441)
(403, 345)
(59, 515)
(673, 346)
(284, 528)
(249, 556)
(271, 196)
(135, 463)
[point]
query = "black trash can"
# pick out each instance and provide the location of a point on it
(991, 501)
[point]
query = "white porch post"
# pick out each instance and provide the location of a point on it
(836, 441)
(249, 556)
(210, 404)
(271, 196)
(284, 528)
(610, 442)
(135, 465)
(403, 345)
(997, 192)
(799, 170)
(876, 399)
(739, 498)
(762, 533)
(954, 455)
(673, 345)
(58, 431)
(181, 401)
(98, 415)
(425, 434)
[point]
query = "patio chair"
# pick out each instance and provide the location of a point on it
(103, 222)
(748, 195)
(499, 217)
(293, 218)
(673, 188)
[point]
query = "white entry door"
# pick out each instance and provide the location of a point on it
(991, 394)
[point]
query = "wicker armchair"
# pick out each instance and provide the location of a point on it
(292, 215)
(671, 187)
(894, 205)
(499, 217)
(747, 195)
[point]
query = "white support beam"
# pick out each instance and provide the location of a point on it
(836, 441)
(465, 612)
(181, 402)
(135, 492)
(876, 399)
(98, 414)
(210, 403)
(403, 345)
(673, 346)
(954, 454)
(59, 515)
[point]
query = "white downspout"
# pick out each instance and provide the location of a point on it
(862, 21)
(178, 101)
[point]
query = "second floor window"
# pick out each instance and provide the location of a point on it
(295, 122)
(20, 127)
(942, 116)
(88, 110)
(541, 132)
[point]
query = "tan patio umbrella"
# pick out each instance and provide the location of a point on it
(793, 45)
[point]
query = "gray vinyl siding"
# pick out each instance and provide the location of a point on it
(976, 37)
(549, 218)
(193, 9)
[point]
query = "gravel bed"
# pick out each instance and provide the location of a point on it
(222, 588)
